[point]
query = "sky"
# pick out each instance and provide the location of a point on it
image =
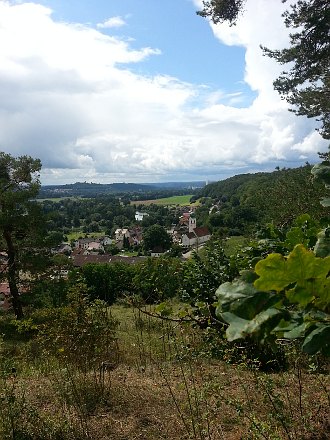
(145, 91)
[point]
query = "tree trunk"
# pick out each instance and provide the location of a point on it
(13, 275)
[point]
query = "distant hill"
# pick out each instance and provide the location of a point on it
(179, 185)
(84, 189)
(277, 196)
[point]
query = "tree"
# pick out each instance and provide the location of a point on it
(222, 10)
(158, 279)
(156, 236)
(19, 215)
(306, 85)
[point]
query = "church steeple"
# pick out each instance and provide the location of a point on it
(192, 222)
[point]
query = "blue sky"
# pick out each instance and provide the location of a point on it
(188, 48)
(145, 90)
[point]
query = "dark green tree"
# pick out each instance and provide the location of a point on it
(222, 10)
(156, 236)
(108, 281)
(19, 217)
(306, 85)
(158, 279)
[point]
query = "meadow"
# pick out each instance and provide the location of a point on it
(168, 201)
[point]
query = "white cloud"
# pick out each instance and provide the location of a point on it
(113, 22)
(68, 97)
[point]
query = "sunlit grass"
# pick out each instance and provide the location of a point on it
(174, 200)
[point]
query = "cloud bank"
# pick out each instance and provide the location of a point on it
(68, 96)
(112, 22)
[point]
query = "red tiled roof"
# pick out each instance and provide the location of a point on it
(201, 232)
(4, 289)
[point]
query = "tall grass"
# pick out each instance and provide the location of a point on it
(90, 372)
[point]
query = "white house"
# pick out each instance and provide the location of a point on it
(95, 246)
(140, 215)
(96, 243)
(196, 237)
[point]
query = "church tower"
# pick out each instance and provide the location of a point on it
(192, 223)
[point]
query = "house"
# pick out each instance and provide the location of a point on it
(5, 295)
(5, 303)
(196, 237)
(82, 243)
(135, 235)
(105, 240)
(96, 243)
(95, 246)
(63, 248)
(121, 233)
(140, 215)
(157, 251)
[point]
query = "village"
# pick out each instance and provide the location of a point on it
(94, 249)
(107, 250)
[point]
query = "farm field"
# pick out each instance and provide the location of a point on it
(174, 200)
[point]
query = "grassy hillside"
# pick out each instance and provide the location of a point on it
(143, 378)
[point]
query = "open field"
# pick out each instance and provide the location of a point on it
(174, 200)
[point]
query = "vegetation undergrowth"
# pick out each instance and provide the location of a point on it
(88, 371)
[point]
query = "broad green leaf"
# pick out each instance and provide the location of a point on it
(228, 292)
(296, 332)
(272, 273)
(277, 272)
(314, 290)
(301, 295)
(237, 326)
(317, 340)
(243, 299)
(262, 324)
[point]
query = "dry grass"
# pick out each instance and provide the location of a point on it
(152, 403)
(163, 388)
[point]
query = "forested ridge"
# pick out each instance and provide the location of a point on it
(278, 196)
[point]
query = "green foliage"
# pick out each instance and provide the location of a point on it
(108, 281)
(21, 226)
(158, 279)
(248, 201)
(156, 237)
(202, 274)
(82, 334)
(302, 269)
(305, 84)
(285, 297)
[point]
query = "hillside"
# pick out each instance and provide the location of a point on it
(279, 196)
(85, 189)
